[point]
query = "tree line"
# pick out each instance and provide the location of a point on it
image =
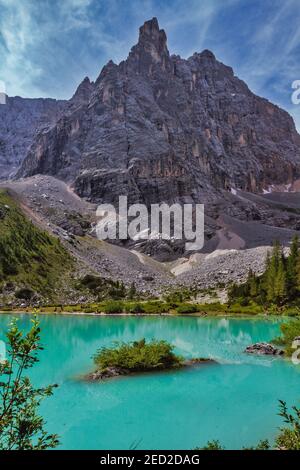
(278, 285)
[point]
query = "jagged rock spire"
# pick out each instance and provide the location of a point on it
(151, 34)
(151, 47)
(83, 91)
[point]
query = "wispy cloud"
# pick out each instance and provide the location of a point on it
(17, 36)
(48, 46)
(271, 50)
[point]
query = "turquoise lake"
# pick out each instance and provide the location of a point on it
(235, 400)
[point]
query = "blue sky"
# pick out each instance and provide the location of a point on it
(48, 46)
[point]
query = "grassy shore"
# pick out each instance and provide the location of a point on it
(156, 307)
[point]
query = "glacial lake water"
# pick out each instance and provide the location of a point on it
(235, 400)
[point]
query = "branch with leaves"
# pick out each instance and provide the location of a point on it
(21, 427)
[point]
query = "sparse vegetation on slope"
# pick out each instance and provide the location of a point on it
(31, 261)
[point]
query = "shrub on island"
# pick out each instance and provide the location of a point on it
(138, 356)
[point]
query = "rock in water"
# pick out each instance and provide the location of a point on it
(264, 349)
(157, 127)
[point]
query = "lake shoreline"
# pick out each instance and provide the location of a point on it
(230, 315)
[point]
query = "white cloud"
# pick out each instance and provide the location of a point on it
(41, 43)
(18, 35)
(23, 38)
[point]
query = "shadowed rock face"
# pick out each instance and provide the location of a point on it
(161, 128)
(20, 119)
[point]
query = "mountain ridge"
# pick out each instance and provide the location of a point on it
(157, 127)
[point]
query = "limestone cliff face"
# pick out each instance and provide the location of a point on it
(161, 128)
(20, 120)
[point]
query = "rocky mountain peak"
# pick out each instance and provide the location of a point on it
(106, 71)
(150, 33)
(152, 44)
(207, 54)
(83, 91)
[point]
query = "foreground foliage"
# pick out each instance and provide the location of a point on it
(289, 331)
(287, 439)
(211, 445)
(21, 428)
(138, 356)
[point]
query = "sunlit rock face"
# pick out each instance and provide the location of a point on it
(157, 127)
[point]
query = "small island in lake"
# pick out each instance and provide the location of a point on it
(138, 357)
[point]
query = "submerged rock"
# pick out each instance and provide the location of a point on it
(264, 349)
(198, 361)
(107, 373)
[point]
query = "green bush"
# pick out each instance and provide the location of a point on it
(134, 308)
(89, 310)
(138, 356)
(187, 308)
(113, 307)
(249, 309)
(91, 282)
(288, 333)
(24, 294)
(103, 287)
(156, 307)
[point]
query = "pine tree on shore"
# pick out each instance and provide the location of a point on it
(280, 288)
(292, 271)
(271, 283)
(280, 282)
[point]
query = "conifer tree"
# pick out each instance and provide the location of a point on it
(253, 284)
(280, 288)
(293, 268)
(132, 291)
(270, 273)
